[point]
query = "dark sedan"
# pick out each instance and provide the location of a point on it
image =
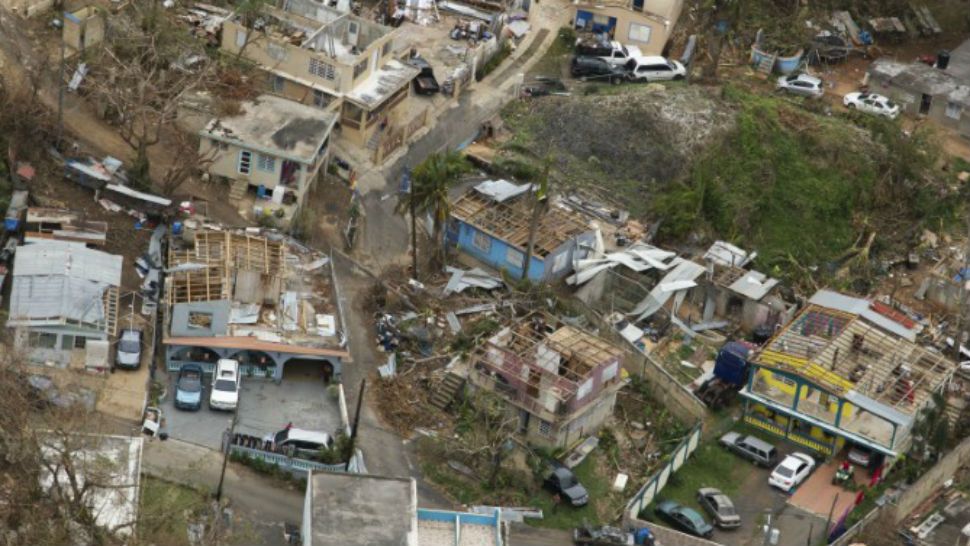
(684, 519)
(719, 507)
(188, 387)
(596, 69)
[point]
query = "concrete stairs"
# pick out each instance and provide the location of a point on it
(445, 394)
(374, 140)
(238, 190)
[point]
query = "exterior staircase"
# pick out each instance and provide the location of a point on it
(447, 390)
(374, 140)
(238, 190)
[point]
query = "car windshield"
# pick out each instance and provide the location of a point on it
(784, 471)
(225, 385)
(671, 65)
(693, 517)
(567, 481)
(626, 52)
(791, 78)
(129, 346)
(281, 436)
(724, 508)
(190, 381)
(890, 104)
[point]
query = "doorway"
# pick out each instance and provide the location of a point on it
(924, 104)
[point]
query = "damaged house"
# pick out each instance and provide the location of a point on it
(263, 300)
(64, 303)
(646, 24)
(845, 372)
(326, 58)
(491, 222)
(941, 92)
(560, 380)
(273, 148)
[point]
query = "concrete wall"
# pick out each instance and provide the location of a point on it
(909, 102)
(932, 480)
(659, 33)
(60, 357)
(180, 318)
(306, 531)
(498, 253)
(83, 28)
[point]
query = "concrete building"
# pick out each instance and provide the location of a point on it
(275, 144)
(560, 380)
(845, 371)
(366, 510)
(647, 24)
(64, 303)
(942, 95)
(331, 60)
(263, 300)
(491, 223)
(84, 28)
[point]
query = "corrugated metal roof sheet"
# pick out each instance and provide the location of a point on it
(70, 259)
(860, 306)
(754, 285)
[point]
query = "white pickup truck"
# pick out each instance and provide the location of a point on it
(614, 53)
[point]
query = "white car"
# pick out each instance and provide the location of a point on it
(871, 103)
(801, 84)
(654, 69)
(791, 471)
(224, 394)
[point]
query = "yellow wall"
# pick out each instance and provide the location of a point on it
(788, 386)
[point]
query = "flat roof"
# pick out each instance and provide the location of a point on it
(276, 126)
(363, 510)
(508, 220)
(382, 83)
(254, 344)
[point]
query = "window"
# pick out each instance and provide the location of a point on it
(514, 257)
(240, 37)
(545, 427)
(80, 342)
(386, 49)
(322, 69)
(201, 321)
(639, 33)
(637, 5)
(360, 68)
(219, 144)
(67, 343)
(245, 161)
(953, 110)
(320, 99)
(481, 241)
(276, 51)
(42, 340)
(277, 83)
(265, 163)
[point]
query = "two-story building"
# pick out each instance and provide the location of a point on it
(846, 371)
(560, 380)
(491, 222)
(273, 146)
(329, 59)
(647, 24)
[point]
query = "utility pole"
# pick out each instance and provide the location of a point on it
(228, 448)
(828, 521)
(360, 400)
(958, 335)
(407, 189)
(60, 97)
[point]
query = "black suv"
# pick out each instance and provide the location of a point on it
(594, 68)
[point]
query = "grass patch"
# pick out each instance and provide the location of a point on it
(603, 503)
(709, 466)
(552, 62)
(167, 509)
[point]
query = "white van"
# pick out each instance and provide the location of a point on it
(303, 443)
(654, 69)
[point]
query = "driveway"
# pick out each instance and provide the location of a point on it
(264, 406)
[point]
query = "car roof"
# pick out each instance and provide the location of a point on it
(808, 78)
(227, 364)
(651, 59)
(130, 332)
(304, 435)
(792, 460)
(190, 367)
(758, 442)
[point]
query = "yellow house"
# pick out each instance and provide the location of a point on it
(336, 61)
(647, 24)
(272, 143)
(845, 371)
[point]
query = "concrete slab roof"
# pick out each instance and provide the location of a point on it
(382, 83)
(276, 126)
(362, 510)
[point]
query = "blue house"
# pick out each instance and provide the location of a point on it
(491, 221)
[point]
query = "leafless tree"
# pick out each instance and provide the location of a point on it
(190, 162)
(489, 441)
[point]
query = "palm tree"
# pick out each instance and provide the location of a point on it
(431, 181)
(540, 203)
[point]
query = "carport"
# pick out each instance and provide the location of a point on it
(257, 358)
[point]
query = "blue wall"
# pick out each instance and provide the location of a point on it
(497, 253)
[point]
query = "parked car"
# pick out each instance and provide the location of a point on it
(301, 442)
(613, 52)
(684, 519)
(563, 482)
(871, 103)
(720, 507)
(602, 536)
(188, 387)
(749, 447)
(224, 394)
(128, 352)
(860, 456)
(801, 84)
(791, 471)
(594, 68)
(654, 69)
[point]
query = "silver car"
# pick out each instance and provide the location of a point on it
(801, 84)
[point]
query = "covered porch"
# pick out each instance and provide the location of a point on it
(256, 358)
(375, 104)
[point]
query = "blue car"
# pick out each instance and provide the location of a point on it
(188, 387)
(684, 519)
